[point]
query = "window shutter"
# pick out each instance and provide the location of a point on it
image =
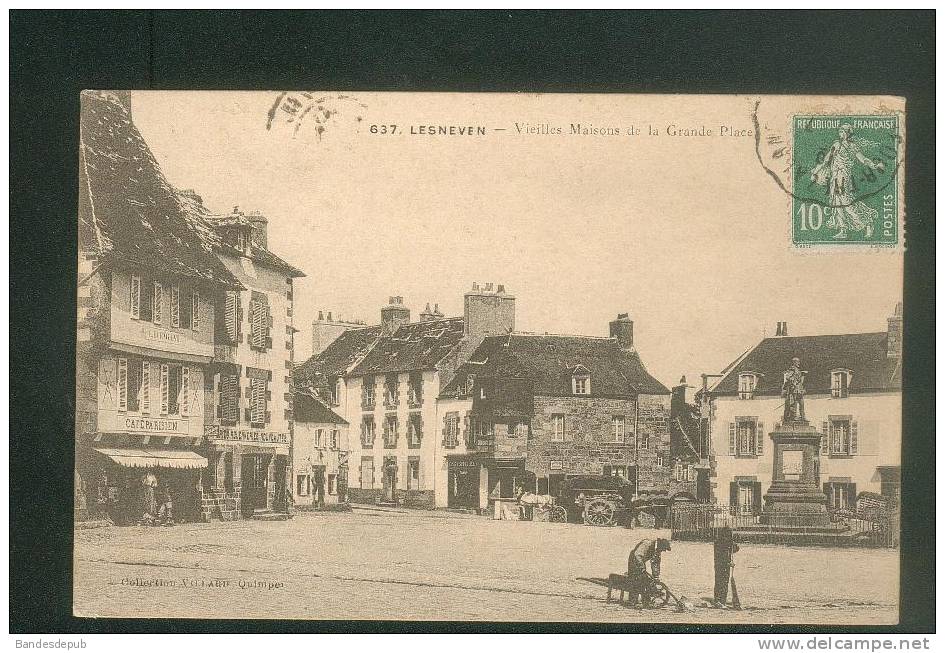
(122, 382)
(158, 303)
(185, 391)
(146, 302)
(756, 498)
(146, 387)
(825, 441)
(230, 316)
(175, 306)
(759, 438)
(164, 389)
(257, 415)
(252, 323)
(195, 311)
(731, 438)
(136, 297)
(853, 437)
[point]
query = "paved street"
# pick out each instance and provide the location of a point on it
(374, 564)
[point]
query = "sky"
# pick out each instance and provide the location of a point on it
(687, 234)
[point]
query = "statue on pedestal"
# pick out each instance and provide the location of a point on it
(793, 392)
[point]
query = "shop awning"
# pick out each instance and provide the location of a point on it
(155, 458)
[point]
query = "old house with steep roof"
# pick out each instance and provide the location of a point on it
(853, 384)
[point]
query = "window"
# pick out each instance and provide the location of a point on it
(174, 384)
(367, 473)
(415, 389)
(840, 436)
(157, 302)
(195, 310)
(618, 426)
(840, 384)
(318, 440)
(175, 306)
(413, 474)
(747, 498)
(746, 437)
(683, 472)
(659, 460)
(229, 398)
(259, 322)
(390, 431)
(521, 429)
(414, 430)
(615, 470)
(257, 402)
(332, 484)
(390, 390)
(470, 384)
(557, 428)
(367, 392)
(335, 397)
(367, 431)
(581, 384)
(747, 382)
(334, 438)
(840, 495)
(451, 430)
(303, 485)
(136, 297)
(644, 440)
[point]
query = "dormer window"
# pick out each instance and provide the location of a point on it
(840, 384)
(581, 381)
(747, 382)
(470, 382)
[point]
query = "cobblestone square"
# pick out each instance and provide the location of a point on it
(419, 565)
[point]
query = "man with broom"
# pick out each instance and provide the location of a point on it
(725, 548)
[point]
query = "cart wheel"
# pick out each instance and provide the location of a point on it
(658, 595)
(599, 512)
(558, 514)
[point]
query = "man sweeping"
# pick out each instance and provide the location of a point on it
(646, 550)
(724, 549)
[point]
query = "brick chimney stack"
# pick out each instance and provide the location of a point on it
(260, 224)
(394, 315)
(781, 330)
(894, 333)
(622, 330)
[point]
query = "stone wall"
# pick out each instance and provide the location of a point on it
(653, 430)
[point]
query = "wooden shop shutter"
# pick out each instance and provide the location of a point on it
(759, 438)
(195, 311)
(122, 382)
(158, 302)
(146, 387)
(136, 297)
(164, 389)
(175, 306)
(185, 391)
(853, 437)
(825, 441)
(731, 438)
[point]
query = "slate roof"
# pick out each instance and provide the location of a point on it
(320, 370)
(415, 346)
(314, 411)
(549, 362)
(128, 211)
(864, 354)
(257, 253)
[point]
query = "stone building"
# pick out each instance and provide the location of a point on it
(533, 409)
(689, 451)
(147, 283)
(319, 453)
(250, 389)
(853, 396)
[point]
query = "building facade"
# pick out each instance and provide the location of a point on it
(250, 385)
(147, 280)
(320, 453)
(853, 397)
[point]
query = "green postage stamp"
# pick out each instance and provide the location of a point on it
(846, 187)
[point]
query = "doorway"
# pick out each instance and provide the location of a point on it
(255, 475)
(390, 480)
(463, 490)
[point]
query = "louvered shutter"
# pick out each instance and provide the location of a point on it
(825, 441)
(185, 391)
(195, 311)
(164, 389)
(136, 297)
(122, 382)
(145, 387)
(853, 437)
(759, 438)
(175, 306)
(158, 302)
(731, 438)
(257, 402)
(230, 316)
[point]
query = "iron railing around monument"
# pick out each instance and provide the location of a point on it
(848, 527)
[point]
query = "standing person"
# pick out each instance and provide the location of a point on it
(725, 547)
(646, 550)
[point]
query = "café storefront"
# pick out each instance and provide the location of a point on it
(475, 481)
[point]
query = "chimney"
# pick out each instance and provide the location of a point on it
(393, 315)
(894, 333)
(427, 315)
(437, 313)
(487, 312)
(678, 401)
(622, 330)
(260, 229)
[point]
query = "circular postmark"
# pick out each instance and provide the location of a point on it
(841, 170)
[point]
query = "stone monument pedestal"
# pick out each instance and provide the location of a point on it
(795, 500)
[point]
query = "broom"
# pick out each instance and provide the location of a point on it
(736, 603)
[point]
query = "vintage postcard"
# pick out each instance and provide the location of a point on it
(489, 357)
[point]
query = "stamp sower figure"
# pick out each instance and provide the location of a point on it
(836, 173)
(724, 547)
(650, 550)
(793, 392)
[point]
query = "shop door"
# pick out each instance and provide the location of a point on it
(463, 488)
(390, 482)
(255, 470)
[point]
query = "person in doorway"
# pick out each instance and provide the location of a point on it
(725, 547)
(647, 550)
